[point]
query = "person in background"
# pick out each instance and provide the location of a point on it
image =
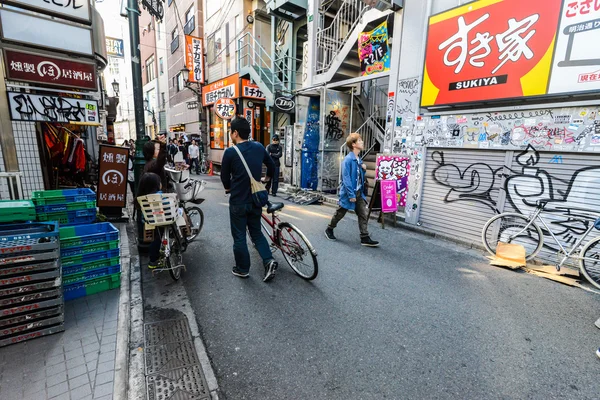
(243, 214)
(155, 154)
(172, 150)
(150, 184)
(275, 151)
(194, 154)
(353, 192)
(184, 152)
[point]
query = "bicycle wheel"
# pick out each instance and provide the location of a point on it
(196, 218)
(590, 268)
(297, 251)
(510, 228)
(203, 168)
(175, 258)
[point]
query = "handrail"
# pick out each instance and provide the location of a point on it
(14, 184)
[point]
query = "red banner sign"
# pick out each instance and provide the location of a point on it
(112, 182)
(36, 68)
(490, 50)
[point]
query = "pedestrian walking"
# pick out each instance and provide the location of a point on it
(275, 151)
(194, 153)
(243, 214)
(353, 192)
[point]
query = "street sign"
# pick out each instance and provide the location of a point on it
(112, 176)
(192, 105)
(46, 70)
(154, 8)
(50, 108)
(225, 108)
(75, 10)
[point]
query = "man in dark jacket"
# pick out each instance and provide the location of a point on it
(275, 151)
(243, 214)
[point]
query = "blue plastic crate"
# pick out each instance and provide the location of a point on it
(67, 218)
(62, 196)
(89, 266)
(80, 259)
(89, 275)
(89, 248)
(81, 205)
(93, 286)
(81, 235)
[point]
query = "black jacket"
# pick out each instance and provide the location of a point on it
(275, 151)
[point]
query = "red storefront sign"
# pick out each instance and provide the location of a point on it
(112, 182)
(37, 68)
(490, 50)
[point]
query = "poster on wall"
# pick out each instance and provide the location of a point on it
(216, 137)
(407, 100)
(576, 65)
(112, 176)
(396, 168)
(50, 108)
(490, 50)
(373, 50)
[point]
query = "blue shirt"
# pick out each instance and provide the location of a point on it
(234, 175)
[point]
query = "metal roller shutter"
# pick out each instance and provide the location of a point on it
(571, 180)
(460, 191)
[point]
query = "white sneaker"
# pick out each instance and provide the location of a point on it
(598, 352)
(270, 269)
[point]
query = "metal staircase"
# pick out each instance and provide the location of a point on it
(255, 61)
(341, 21)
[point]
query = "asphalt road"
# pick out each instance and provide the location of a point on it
(417, 318)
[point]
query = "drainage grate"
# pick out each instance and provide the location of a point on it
(169, 331)
(170, 356)
(179, 384)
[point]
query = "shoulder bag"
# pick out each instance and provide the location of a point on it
(260, 196)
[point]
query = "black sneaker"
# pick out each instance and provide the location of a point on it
(239, 273)
(329, 234)
(270, 269)
(367, 241)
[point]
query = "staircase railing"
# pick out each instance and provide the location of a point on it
(252, 54)
(332, 38)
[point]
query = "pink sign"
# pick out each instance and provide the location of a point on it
(396, 168)
(389, 199)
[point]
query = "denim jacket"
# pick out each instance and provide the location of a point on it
(350, 170)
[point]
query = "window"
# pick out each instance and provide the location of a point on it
(174, 40)
(158, 29)
(150, 69)
(113, 66)
(161, 66)
(189, 21)
(210, 49)
(169, 4)
(227, 39)
(214, 48)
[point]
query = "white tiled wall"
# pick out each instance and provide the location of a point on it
(28, 156)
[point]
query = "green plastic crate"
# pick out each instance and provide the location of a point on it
(89, 248)
(17, 210)
(89, 266)
(94, 286)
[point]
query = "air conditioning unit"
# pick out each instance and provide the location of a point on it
(383, 5)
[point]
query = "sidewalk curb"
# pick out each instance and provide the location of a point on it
(122, 357)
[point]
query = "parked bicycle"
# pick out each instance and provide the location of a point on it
(296, 248)
(203, 165)
(520, 229)
(162, 211)
(188, 190)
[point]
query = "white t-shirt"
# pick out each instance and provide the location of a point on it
(194, 151)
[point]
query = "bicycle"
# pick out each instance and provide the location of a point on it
(160, 210)
(203, 164)
(188, 190)
(520, 229)
(291, 241)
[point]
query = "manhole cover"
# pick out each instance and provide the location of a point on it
(178, 384)
(170, 331)
(169, 356)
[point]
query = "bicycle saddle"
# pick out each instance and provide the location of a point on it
(272, 207)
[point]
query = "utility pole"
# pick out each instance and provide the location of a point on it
(133, 14)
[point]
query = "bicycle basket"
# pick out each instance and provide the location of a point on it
(159, 209)
(189, 190)
(177, 175)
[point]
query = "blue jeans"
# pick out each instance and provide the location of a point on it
(242, 216)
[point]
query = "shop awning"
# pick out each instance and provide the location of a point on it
(85, 123)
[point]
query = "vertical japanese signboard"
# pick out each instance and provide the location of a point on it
(249, 115)
(576, 65)
(112, 180)
(194, 58)
(490, 50)
(373, 50)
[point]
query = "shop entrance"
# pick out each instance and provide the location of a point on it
(261, 124)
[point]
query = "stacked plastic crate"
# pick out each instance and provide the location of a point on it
(68, 206)
(90, 259)
(31, 300)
